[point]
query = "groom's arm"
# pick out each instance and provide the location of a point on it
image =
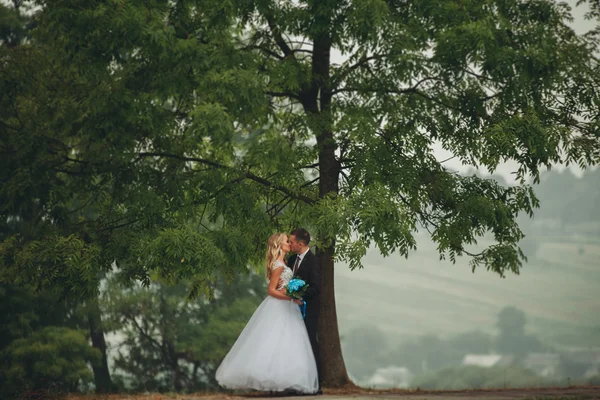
(314, 279)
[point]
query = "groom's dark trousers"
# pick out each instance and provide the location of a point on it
(310, 271)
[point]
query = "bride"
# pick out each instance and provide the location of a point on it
(273, 352)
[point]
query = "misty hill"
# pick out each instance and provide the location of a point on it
(558, 289)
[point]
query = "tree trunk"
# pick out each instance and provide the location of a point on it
(173, 362)
(333, 369)
(101, 373)
(316, 100)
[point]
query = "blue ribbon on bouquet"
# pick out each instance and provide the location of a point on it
(303, 308)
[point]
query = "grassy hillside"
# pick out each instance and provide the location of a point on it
(559, 290)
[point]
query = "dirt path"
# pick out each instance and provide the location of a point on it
(579, 393)
(572, 393)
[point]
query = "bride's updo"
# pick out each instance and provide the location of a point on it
(274, 250)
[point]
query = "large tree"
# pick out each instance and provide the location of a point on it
(238, 116)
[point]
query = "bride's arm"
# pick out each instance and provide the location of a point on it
(273, 285)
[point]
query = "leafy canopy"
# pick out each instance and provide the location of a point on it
(175, 136)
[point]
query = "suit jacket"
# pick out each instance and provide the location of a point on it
(310, 272)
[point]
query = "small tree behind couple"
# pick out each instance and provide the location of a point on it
(278, 349)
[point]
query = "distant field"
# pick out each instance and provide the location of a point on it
(559, 290)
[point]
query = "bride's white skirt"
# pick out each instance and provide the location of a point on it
(272, 353)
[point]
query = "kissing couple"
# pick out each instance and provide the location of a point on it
(278, 350)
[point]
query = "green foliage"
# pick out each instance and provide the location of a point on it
(585, 336)
(426, 353)
(178, 112)
(40, 347)
(366, 349)
(23, 312)
(474, 342)
(511, 321)
(172, 138)
(472, 377)
(50, 357)
(91, 179)
(14, 23)
(172, 344)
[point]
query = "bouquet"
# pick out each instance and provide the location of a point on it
(296, 289)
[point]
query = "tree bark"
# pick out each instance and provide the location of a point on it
(333, 369)
(102, 378)
(317, 103)
(173, 363)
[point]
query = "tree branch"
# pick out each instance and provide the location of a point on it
(287, 51)
(265, 50)
(315, 165)
(144, 333)
(248, 175)
(344, 72)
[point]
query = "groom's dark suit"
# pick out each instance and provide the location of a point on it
(309, 271)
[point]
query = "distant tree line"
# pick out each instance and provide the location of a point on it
(430, 358)
(570, 201)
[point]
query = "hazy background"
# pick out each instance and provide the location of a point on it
(409, 313)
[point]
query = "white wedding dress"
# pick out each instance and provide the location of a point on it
(273, 351)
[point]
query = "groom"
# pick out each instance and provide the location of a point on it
(305, 265)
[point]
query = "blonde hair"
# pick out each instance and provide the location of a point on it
(273, 251)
